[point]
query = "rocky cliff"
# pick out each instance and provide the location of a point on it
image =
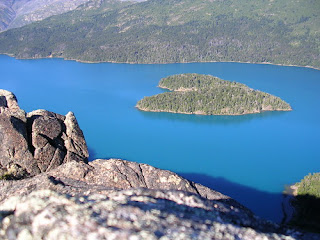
(62, 196)
(38, 141)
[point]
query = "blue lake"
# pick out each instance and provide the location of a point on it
(250, 158)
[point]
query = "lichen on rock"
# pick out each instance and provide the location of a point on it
(130, 214)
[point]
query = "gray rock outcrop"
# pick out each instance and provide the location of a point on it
(104, 176)
(116, 199)
(15, 156)
(38, 141)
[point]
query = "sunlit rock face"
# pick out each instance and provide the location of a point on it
(38, 141)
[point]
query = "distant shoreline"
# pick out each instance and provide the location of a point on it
(93, 62)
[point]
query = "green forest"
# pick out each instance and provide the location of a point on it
(169, 31)
(310, 185)
(208, 95)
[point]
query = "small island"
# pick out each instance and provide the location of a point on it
(209, 95)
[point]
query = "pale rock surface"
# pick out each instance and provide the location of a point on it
(104, 176)
(143, 203)
(131, 214)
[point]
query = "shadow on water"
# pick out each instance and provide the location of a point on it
(202, 119)
(264, 204)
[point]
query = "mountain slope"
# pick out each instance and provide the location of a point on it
(17, 13)
(164, 31)
(7, 14)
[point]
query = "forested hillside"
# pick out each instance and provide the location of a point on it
(166, 31)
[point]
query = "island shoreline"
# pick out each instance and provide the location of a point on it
(145, 110)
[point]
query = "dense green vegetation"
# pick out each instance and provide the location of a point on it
(205, 94)
(307, 203)
(310, 185)
(164, 31)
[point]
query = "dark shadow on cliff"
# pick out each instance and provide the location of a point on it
(264, 204)
(307, 215)
(202, 119)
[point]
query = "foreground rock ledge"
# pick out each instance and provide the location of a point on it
(117, 199)
(127, 214)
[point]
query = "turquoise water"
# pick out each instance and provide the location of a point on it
(249, 157)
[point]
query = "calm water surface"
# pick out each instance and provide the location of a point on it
(249, 157)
